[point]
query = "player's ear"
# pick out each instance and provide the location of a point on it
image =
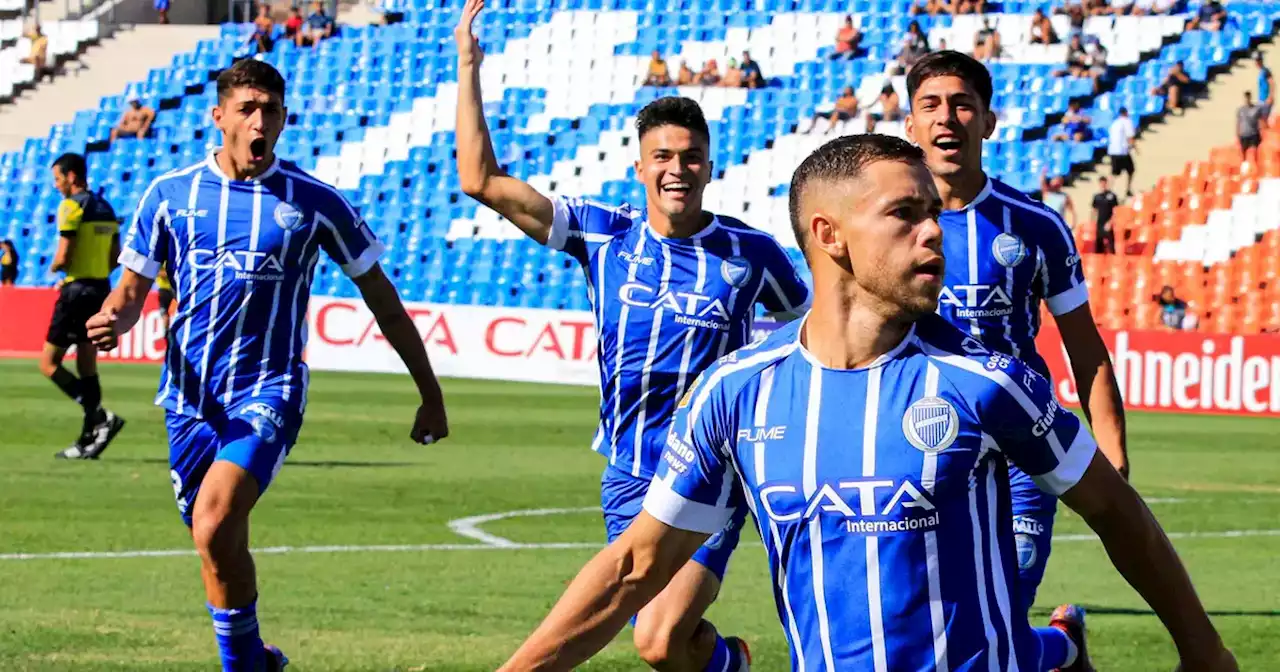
(824, 234)
(909, 127)
(991, 119)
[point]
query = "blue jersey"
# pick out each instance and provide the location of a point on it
(240, 256)
(665, 309)
(1005, 254)
(881, 493)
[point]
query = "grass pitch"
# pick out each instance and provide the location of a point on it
(354, 480)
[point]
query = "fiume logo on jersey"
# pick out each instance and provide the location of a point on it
(736, 271)
(287, 217)
(865, 505)
(974, 301)
(690, 308)
(931, 424)
(1008, 249)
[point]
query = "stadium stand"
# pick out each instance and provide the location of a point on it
(66, 38)
(371, 110)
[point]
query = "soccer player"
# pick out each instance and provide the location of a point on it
(672, 287)
(1006, 254)
(869, 440)
(240, 234)
(88, 243)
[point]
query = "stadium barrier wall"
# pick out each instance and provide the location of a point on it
(24, 323)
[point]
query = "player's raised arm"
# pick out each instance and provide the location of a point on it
(478, 170)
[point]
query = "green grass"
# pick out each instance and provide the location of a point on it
(354, 479)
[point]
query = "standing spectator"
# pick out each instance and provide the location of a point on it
(658, 74)
(1042, 31)
(1266, 94)
(162, 11)
(846, 108)
(1173, 310)
(752, 78)
(1104, 206)
(39, 54)
(1120, 138)
(1075, 124)
(847, 40)
(915, 44)
(319, 27)
(293, 24)
(986, 44)
(8, 263)
(1249, 127)
(1175, 81)
(890, 107)
(931, 8)
(135, 121)
(709, 75)
(1211, 16)
(1059, 201)
(263, 30)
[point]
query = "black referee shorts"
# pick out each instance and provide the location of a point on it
(77, 302)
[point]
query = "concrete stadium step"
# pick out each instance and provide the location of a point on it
(102, 70)
(1165, 147)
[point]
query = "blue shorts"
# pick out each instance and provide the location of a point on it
(256, 435)
(1033, 511)
(622, 497)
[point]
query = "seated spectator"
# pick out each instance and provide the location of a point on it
(1075, 124)
(752, 78)
(1082, 62)
(263, 29)
(1249, 127)
(658, 74)
(732, 75)
(914, 46)
(846, 108)
(1211, 16)
(971, 7)
(1042, 31)
(39, 54)
(684, 77)
(135, 121)
(319, 27)
(1173, 311)
(293, 24)
(1098, 8)
(1074, 9)
(1172, 86)
(942, 44)
(890, 107)
(986, 44)
(931, 8)
(709, 75)
(847, 40)
(8, 263)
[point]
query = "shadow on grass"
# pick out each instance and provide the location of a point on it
(330, 464)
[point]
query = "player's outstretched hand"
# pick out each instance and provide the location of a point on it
(101, 330)
(469, 52)
(431, 423)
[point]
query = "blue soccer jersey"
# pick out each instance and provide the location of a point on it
(1005, 254)
(881, 493)
(240, 256)
(665, 309)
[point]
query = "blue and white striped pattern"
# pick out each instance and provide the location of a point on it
(241, 255)
(885, 555)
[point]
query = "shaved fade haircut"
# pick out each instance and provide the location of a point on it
(843, 159)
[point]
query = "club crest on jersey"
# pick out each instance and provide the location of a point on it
(736, 271)
(931, 424)
(287, 216)
(1009, 250)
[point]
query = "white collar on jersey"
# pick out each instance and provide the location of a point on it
(212, 162)
(887, 357)
(706, 231)
(982, 195)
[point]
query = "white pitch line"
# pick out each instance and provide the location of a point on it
(470, 527)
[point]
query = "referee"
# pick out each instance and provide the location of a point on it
(88, 245)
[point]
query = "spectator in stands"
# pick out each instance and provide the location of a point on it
(684, 76)
(1075, 124)
(293, 24)
(931, 8)
(1059, 201)
(1211, 16)
(752, 78)
(971, 7)
(846, 108)
(732, 75)
(1088, 62)
(162, 11)
(890, 107)
(1249, 127)
(1098, 8)
(847, 40)
(1074, 10)
(8, 263)
(319, 27)
(915, 44)
(39, 54)
(1175, 81)
(1042, 31)
(1120, 139)
(135, 121)
(1266, 92)
(986, 43)
(263, 30)
(1173, 311)
(658, 75)
(1104, 206)
(709, 75)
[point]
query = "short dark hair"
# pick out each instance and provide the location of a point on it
(253, 74)
(672, 111)
(845, 158)
(950, 63)
(72, 163)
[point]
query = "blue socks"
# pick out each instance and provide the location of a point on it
(238, 641)
(1056, 648)
(725, 658)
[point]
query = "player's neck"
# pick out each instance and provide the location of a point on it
(682, 227)
(77, 189)
(959, 190)
(241, 173)
(846, 330)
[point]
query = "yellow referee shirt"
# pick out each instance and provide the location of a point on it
(90, 219)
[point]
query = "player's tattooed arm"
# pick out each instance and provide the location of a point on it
(1143, 554)
(479, 173)
(609, 590)
(120, 311)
